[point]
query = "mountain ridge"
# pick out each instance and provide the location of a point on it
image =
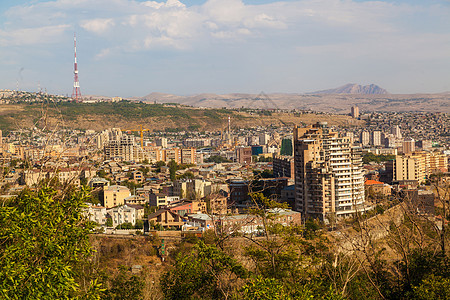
(353, 88)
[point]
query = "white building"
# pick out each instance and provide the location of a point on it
(96, 214)
(122, 214)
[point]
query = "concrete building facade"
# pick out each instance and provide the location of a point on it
(328, 173)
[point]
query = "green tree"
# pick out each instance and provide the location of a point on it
(125, 225)
(262, 288)
(139, 224)
(109, 222)
(206, 273)
(173, 167)
(125, 286)
(44, 236)
(217, 159)
(433, 287)
(102, 173)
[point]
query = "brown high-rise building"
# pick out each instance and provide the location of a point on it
(355, 112)
(329, 179)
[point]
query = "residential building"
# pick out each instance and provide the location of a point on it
(377, 187)
(189, 156)
(328, 173)
(192, 188)
(122, 214)
(244, 155)
(138, 176)
(418, 166)
(124, 149)
(166, 218)
(96, 214)
(115, 195)
(396, 132)
(409, 146)
(376, 138)
(161, 142)
(161, 200)
(283, 166)
(264, 139)
(364, 138)
(355, 112)
(136, 199)
(188, 207)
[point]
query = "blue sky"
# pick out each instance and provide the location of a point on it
(132, 48)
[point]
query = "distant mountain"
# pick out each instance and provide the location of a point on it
(334, 102)
(353, 88)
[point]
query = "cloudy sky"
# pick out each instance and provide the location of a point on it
(132, 48)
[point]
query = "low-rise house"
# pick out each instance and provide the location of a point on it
(138, 176)
(136, 199)
(242, 223)
(98, 182)
(166, 218)
(188, 207)
(377, 187)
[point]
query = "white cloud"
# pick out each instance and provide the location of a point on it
(32, 36)
(97, 26)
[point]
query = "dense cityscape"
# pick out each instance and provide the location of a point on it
(235, 150)
(181, 184)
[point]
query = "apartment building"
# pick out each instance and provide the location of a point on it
(283, 166)
(189, 156)
(192, 188)
(329, 178)
(418, 166)
(115, 195)
(95, 214)
(244, 155)
(122, 214)
(364, 138)
(125, 148)
(376, 138)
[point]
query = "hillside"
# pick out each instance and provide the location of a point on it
(156, 117)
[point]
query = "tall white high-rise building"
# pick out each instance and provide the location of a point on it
(395, 130)
(364, 138)
(375, 138)
(329, 179)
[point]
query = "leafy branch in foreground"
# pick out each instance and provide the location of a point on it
(43, 237)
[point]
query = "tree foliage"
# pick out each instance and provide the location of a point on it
(205, 273)
(124, 286)
(43, 237)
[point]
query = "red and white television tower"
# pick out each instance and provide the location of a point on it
(76, 94)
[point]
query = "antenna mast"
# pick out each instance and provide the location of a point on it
(76, 94)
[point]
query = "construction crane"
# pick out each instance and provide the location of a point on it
(141, 130)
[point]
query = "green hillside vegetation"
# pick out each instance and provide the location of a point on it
(74, 115)
(27, 110)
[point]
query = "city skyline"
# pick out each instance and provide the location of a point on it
(132, 48)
